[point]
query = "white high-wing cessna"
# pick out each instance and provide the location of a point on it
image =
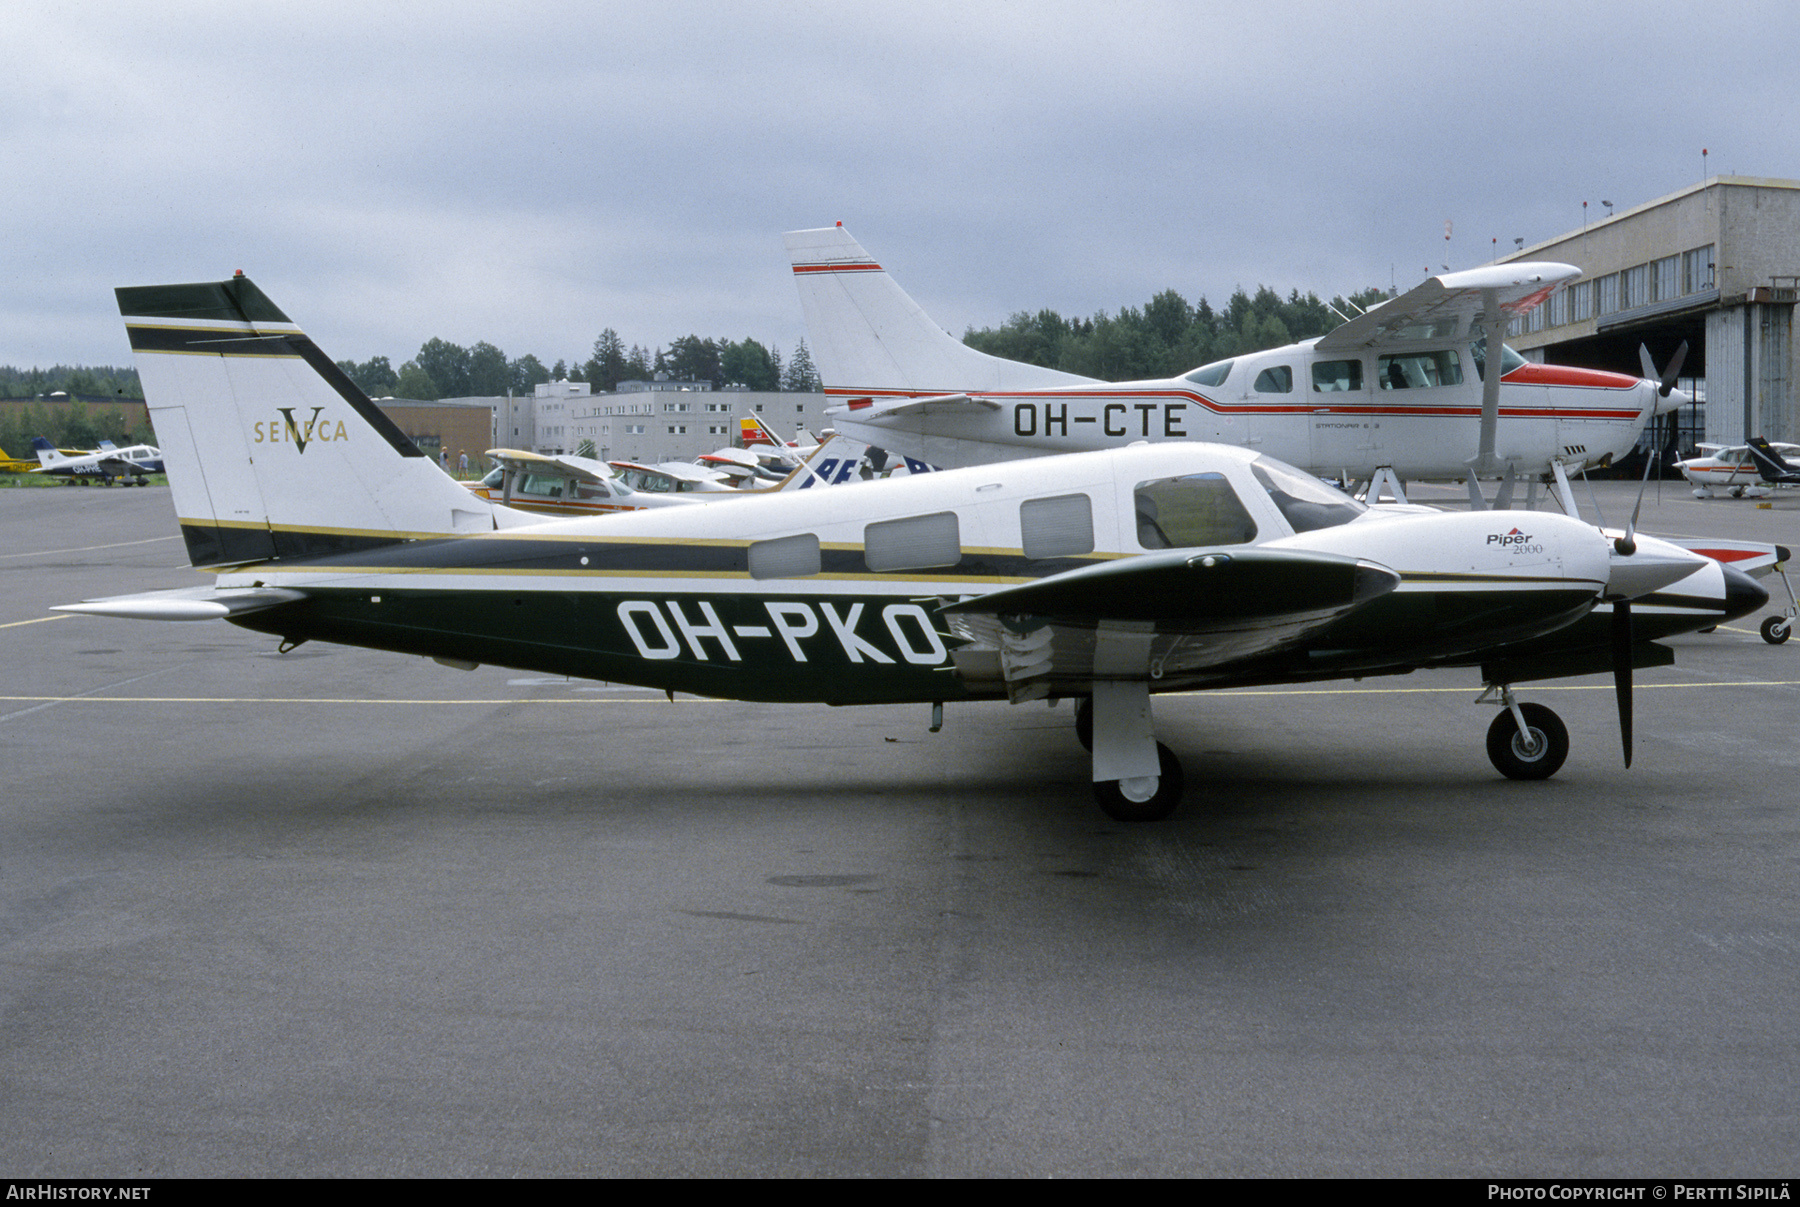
(1396, 393)
(1733, 468)
(563, 484)
(1105, 576)
(104, 464)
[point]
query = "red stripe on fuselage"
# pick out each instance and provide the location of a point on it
(865, 266)
(865, 397)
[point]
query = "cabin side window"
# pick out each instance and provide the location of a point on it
(1058, 527)
(1335, 376)
(785, 557)
(919, 542)
(1420, 370)
(1276, 379)
(1198, 509)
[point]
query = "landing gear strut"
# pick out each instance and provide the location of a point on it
(1136, 778)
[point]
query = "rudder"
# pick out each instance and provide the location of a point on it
(870, 339)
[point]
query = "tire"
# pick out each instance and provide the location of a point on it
(1084, 723)
(1777, 629)
(1116, 805)
(1505, 744)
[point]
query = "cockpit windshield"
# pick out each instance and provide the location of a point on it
(1509, 360)
(1304, 501)
(1211, 375)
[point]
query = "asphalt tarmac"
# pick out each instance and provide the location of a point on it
(339, 912)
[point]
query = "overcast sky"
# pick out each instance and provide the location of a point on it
(530, 173)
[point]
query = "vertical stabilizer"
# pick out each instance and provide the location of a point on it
(271, 451)
(870, 339)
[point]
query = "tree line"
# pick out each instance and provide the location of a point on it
(70, 425)
(446, 370)
(1167, 335)
(92, 382)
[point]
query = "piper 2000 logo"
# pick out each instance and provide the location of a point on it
(1513, 542)
(298, 432)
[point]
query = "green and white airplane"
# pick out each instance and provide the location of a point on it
(1105, 577)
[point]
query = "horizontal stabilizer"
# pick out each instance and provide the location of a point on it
(190, 603)
(867, 410)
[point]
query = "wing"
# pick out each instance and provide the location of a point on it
(579, 469)
(1451, 306)
(1159, 616)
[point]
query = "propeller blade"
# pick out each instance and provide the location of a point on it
(1646, 364)
(1627, 544)
(1621, 652)
(1670, 374)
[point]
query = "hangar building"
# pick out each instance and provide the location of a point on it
(1717, 265)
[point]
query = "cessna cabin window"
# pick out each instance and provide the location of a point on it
(1199, 509)
(1335, 376)
(1211, 375)
(915, 543)
(1420, 370)
(1305, 502)
(785, 557)
(1058, 527)
(1276, 379)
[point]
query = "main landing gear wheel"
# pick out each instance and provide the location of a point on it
(1775, 630)
(1538, 758)
(1084, 723)
(1164, 792)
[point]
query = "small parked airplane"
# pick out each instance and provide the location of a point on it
(562, 485)
(1396, 393)
(15, 465)
(1729, 467)
(104, 464)
(1106, 576)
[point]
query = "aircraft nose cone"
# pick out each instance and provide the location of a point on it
(1743, 594)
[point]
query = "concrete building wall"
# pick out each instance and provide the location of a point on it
(1714, 265)
(666, 425)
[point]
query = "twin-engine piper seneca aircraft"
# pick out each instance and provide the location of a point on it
(1106, 577)
(1396, 393)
